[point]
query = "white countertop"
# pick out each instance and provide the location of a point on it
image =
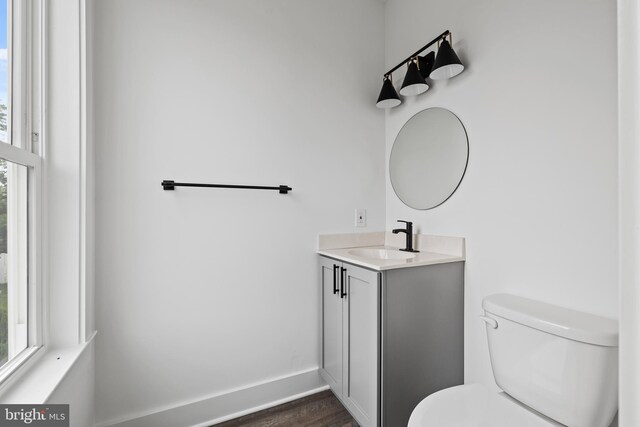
(421, 258)
(433, 249)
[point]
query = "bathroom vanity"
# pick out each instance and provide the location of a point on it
(392, 322)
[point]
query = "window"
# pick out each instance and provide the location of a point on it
(13, 256)
(19, 186)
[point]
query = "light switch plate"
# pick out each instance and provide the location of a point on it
(361, 217)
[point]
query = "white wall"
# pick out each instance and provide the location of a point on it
(629, 125)
(538, 204)
(203, 290)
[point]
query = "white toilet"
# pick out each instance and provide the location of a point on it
(557, 367)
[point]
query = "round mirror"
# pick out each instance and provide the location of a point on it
(429, 158)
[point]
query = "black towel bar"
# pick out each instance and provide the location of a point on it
(171, 185)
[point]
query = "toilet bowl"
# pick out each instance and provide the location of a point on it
(557, 367)
(474, 405)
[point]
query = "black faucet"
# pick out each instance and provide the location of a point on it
(409, 232)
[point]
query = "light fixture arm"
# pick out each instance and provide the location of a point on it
(428, 45)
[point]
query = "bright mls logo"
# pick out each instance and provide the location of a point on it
(34, 415)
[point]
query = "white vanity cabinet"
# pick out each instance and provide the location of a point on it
(350, 323)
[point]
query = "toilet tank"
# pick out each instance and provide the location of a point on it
(562, 363)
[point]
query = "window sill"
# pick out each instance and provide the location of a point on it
(35, 381)
(18, 364)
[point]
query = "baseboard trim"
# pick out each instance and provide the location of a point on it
(226, 406)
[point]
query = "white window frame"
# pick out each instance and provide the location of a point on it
(25, 127)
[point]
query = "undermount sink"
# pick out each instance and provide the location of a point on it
(381, 253)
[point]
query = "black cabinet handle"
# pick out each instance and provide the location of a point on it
(342, 292)
(335, 279)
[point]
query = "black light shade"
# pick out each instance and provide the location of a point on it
(388, 97)
(447, 63)
(414, 83)
(425, 64)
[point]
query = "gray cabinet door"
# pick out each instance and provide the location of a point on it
(361, 342)
(332, 325)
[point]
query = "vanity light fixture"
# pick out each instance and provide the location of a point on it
(447, 63)
(444, 65)
(414, 83)
(388, 97)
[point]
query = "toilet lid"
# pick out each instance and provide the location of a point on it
(474, 405)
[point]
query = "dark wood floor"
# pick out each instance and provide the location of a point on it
(318, 410)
